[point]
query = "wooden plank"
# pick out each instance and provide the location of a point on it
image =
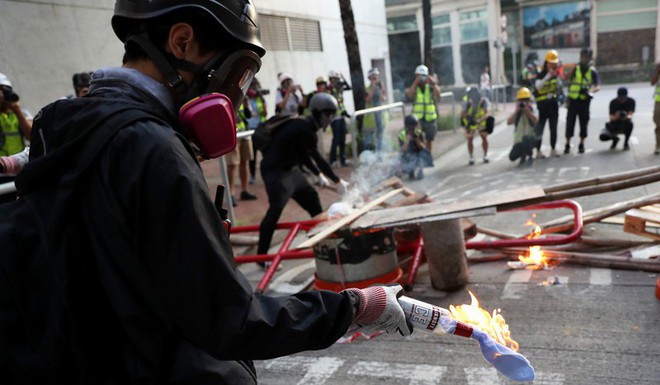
(387, 217)
(343, 221)
(652, 208)
(636, 222)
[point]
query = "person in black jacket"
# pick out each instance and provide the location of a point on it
(153, 292)
(292, 145)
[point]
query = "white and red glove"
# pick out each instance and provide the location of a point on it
(323, 181)
(377, 309)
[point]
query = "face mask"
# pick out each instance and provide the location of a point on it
(208, 120)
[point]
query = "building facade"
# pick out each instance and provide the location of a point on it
(43, 43)
(468, 35)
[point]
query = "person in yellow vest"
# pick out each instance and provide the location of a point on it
(583, 82)
(337, 85)
(425, 93)
(474, 118)
(524, 120)
(656, 109)
(259, 109)
(373, 125)
(15, 123)
(242, 154)
(548, 87)
(414, 154)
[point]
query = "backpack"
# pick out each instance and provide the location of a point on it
(38, 342)
(264, 132)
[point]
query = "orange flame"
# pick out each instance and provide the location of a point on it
(493, 324)
(535, 259)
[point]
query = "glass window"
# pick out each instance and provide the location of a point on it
(402, 23)
(440, 19)
(605, 6)
(626, 22)
(473, 26)
(441, 36)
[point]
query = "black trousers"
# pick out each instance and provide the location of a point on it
(577, 109)
(280, 187)
(548, 111)
(618, 127)
(338, 140)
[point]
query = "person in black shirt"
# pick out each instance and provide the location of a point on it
(294, 144)
(621, 111)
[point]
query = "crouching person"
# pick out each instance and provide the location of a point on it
(621, 111)
(414, 154)
(524, 120)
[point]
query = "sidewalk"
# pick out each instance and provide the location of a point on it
(251, 212)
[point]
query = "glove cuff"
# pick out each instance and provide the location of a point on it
(372, 304)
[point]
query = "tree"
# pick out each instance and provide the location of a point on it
(428, 34)
(353, 51)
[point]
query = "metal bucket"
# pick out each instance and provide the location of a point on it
(356, 256)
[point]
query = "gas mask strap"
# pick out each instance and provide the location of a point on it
(172, 77)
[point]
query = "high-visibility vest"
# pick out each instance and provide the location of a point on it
(403, 136)
(548, 91)
(424, 108)
(260, 109)
(240, 119)
(478, 114)
(657, 93)
(578, 82)
(12, 133)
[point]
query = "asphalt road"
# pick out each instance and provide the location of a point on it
(597, 326)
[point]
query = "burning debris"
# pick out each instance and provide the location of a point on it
(535, 258)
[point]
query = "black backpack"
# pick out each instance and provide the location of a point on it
(38, 342)
(264, 132)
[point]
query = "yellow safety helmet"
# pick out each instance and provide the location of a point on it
(523, 93)
(552, 56)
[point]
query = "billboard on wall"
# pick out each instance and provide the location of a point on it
(562, 25)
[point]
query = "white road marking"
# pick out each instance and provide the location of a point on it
(282, 284)
(318, 369)
(502, 155)
(480, 376)
(598, 276)
(549, 379)
(416, 374)
(516, 284)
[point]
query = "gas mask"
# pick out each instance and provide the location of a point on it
(210, 101)
(209, 120)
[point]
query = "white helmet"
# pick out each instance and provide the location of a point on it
(422, 70)
(4, 80)
(333, 74)
(373, 71)
(284, 76)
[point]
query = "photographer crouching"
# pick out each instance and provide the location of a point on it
(621, 111)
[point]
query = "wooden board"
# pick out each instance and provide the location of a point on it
(637, 220)
(343, 221)
(409, 214)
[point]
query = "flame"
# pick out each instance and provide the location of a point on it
(535, 259)
(493, 324)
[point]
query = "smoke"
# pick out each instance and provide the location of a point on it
(375, 167)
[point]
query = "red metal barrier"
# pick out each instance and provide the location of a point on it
(578, 228)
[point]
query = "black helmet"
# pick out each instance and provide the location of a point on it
(237, 17)
(323, 102)
(411, 121)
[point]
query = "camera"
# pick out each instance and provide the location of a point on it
(9, 95)
(521, 104)
(623, 114)
(263, 92)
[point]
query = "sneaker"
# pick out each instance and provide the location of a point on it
(266, 265)
(486, 160)
(522, 161)
(626, 147)
(252, 180)
(411, 175)
(657, 151)
(346, 163)
(567, 149)
(246, 196)
(233, 202)
(530, 161)
(540, 154)
(471, 162)
(581, 148)
(615, 141)
(420, 174)
(554, 153)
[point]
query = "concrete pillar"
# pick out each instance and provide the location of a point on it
(657, 35)
(495, 55)
(456, 49)
(444, 247)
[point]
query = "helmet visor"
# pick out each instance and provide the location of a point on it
(233, 77)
